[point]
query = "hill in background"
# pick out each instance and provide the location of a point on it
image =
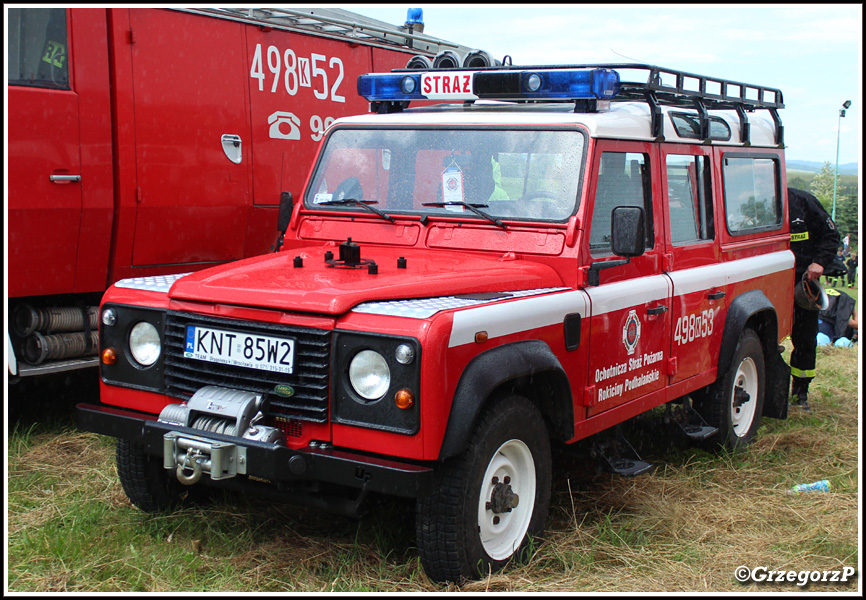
(815, 167)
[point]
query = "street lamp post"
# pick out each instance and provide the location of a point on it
(845, 106)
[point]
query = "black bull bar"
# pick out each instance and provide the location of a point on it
(277, 464)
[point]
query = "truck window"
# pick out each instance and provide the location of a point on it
(622, 181)
(752, 198)
(689, 126)
(690, 201)
(512, 174)
(38, 48)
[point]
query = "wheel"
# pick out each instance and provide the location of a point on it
(147, 484)
(491, 500)
(734, 403)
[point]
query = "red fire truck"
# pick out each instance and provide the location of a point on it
(145, 142)
(462, 288)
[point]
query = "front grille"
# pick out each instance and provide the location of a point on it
(183, 376)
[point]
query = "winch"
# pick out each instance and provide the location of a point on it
(214, 409)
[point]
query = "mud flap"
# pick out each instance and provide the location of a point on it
(778, 382)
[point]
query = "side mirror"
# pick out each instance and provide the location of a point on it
(284, 217)
(627, 237)
(628, 231)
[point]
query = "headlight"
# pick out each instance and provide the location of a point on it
(369, 374)
(144, 343)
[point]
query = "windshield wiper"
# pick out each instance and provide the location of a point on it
(473, 207)
(363, 203)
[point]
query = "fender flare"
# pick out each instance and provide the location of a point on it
(754, 309)
(495, 367)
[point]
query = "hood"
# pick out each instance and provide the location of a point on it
(274, 281)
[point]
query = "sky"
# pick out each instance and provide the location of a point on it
(813, 53)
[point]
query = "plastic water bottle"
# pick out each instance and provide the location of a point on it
(818, 486)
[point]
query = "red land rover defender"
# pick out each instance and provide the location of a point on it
(463, 287)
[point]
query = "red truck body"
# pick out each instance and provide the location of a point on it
(153, 141)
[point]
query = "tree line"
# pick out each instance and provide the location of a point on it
(821, 186)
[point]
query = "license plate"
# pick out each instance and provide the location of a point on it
(252, 351)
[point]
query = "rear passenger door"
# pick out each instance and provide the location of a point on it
(692, 260)
(630, 316)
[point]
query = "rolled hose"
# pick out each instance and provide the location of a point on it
(38, 348)
(29, 319)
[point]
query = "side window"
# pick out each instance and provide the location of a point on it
(690, 201)
(623, 180)
(689, 126)
(752, 198)
(38, 48)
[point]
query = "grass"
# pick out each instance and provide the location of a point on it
(683, 528)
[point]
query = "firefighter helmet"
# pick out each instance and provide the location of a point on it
(810, 295)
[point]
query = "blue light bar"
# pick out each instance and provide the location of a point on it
(398, 87)
(536, 84)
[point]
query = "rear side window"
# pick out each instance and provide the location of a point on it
(752, 195)
(38, 52)
(690, 200)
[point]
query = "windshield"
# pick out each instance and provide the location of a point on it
(482, 174)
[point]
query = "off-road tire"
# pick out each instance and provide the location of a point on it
(722, 403)
(147, 484)
(510, 439)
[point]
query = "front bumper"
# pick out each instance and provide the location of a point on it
(274, 463)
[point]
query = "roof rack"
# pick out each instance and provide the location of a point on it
(658, 87)
(331, 22)
(701, 93)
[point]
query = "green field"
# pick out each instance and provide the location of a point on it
(685, 527)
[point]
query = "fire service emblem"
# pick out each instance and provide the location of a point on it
(631, 332)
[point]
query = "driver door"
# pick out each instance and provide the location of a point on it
(630, 318)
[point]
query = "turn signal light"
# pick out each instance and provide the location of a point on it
(404, 399)
(109, 356)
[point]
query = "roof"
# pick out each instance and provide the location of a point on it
(621, 120)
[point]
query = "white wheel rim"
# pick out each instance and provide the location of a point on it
(502, 532)
(743, 414)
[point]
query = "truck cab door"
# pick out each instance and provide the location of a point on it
(45, 201)
(630, 316)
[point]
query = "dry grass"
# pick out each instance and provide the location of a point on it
(684, 528)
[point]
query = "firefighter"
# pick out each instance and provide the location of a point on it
(837, 324)
(814, 241)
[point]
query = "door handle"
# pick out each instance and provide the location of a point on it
(64, 178)
(716, 295)
(657, 310)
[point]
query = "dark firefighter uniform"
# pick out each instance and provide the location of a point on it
(814, 238)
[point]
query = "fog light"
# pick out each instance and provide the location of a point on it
(404, 399)
(109, 356)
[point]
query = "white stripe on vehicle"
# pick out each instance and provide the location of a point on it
(698, 279)
(545, 307)
(506, 318)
